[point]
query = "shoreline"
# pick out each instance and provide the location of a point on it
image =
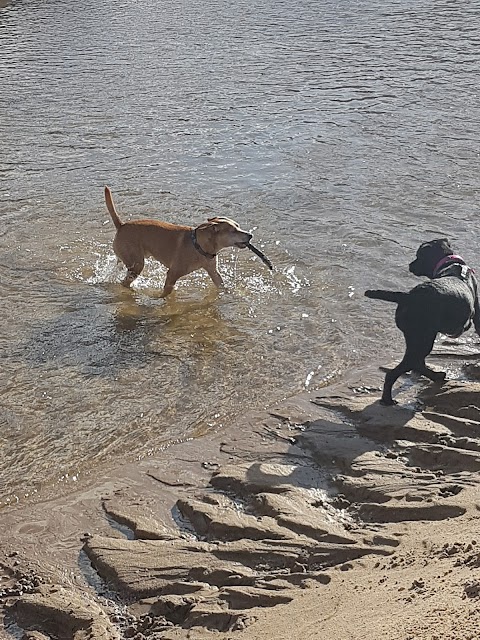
(230, 533)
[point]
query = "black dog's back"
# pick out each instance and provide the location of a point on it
(443, 306)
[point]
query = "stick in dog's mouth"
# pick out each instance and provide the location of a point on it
(260, 254)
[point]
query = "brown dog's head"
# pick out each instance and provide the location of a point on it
(429, 255)
(224, 232)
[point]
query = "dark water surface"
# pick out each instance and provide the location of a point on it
(342, 133)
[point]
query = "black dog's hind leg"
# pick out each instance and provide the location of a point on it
(431, 374)
(418, 347)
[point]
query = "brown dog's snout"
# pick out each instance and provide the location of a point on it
(245, 241)
(245, 235)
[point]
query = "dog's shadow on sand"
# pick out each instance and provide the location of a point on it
(354, 435)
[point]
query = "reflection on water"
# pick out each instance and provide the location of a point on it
(342, 135)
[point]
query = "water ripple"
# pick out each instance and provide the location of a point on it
(343, 134)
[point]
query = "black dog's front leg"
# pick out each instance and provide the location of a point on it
(476, 306)
(476, 316)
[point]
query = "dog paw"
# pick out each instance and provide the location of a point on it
(439, 376)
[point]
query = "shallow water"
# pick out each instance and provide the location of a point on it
(341, 134)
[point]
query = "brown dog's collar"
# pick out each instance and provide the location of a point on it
(193, 235)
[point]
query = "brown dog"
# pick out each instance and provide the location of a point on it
(180, 248)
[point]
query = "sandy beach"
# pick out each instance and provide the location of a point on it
(216, 464)
(327, 516)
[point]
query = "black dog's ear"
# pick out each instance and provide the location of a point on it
(445, 242)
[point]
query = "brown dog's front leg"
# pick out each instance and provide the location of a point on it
(215, 276)
(170, 281)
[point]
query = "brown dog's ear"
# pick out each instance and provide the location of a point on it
(211, 224)
(219, 219)
(214, 223)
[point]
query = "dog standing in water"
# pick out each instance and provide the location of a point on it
(447, 304)
(180, 248)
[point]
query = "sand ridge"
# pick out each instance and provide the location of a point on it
(327, 516)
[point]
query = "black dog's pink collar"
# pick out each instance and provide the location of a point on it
(446, 260)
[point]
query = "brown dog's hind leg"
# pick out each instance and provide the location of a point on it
(134, 269)
(129, 278)
(131, 256)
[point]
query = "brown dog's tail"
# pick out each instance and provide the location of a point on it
(388, 296)
(111, 208)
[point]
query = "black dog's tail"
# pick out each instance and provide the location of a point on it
(388, 296)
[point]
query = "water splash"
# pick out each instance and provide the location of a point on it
(106, 269)
(295, 282)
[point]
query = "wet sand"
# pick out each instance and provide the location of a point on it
(327, 516)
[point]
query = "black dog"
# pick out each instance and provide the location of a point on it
(447, 304)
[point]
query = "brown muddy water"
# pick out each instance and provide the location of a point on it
(342, 133)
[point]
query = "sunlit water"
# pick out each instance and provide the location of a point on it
(341, 133)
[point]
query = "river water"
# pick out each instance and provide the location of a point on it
(341, 133)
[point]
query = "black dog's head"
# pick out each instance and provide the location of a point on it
(429, 255)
